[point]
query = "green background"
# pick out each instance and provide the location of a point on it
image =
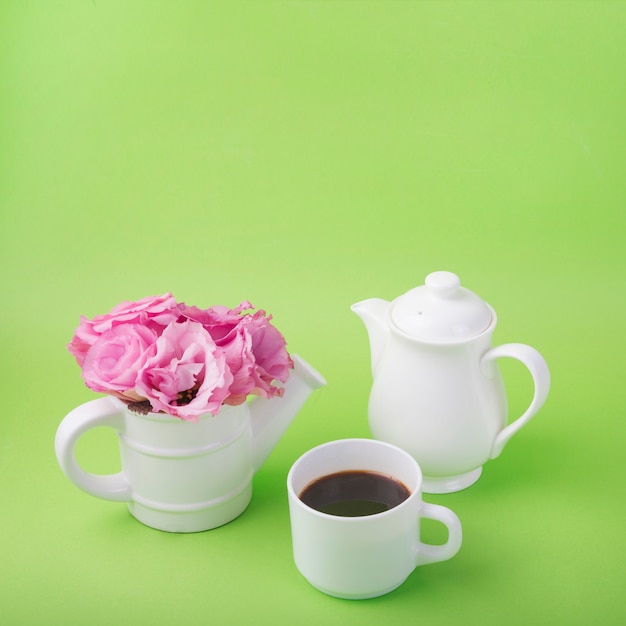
(305, 156)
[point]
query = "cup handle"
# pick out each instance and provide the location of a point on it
(541, 377)
(100, 412)
(427, 553)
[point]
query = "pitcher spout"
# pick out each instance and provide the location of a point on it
(373, 313)
(270, 418)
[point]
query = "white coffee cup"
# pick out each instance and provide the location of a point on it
(367, 556)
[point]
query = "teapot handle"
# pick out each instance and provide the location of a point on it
(99, 412)
(541, 377)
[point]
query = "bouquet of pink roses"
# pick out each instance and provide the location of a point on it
(158, 355)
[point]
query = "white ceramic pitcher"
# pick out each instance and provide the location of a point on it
(181, 476)
(437, 390)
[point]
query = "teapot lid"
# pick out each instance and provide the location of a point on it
(441, 310)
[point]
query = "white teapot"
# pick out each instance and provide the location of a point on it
(437, 389)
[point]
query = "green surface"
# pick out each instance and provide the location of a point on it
(307, 155)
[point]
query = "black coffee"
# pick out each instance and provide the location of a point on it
(354, 493)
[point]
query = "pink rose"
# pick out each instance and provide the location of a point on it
(255, 350)
(187, 374)
(180, 359)
(153, 312)
(225, 327)
(272, 361)
(240, 360)
(220, 321)
(111, 364)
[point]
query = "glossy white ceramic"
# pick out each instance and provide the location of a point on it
(363, 557)
(181, 476)
(437, 390)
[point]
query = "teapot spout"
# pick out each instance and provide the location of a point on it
(270, 418)
(373, 314)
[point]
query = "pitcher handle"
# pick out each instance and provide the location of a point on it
(541, 378)
(427, 553)
(99, 412)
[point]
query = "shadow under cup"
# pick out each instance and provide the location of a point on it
(370, 555)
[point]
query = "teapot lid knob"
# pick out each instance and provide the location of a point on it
(443, 284)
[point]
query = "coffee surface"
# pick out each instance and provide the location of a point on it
(354, 493)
